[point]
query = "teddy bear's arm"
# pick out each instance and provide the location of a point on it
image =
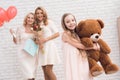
(103, 46)
(87, 42)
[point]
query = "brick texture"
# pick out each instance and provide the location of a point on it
(107, 10)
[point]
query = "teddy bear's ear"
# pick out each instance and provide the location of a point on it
(81, 23)
(101, 23)
(79, 27)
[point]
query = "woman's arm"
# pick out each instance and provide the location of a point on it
(14, 36)
(14, 40)
(54, 30)
(43, 40)
(52, 36)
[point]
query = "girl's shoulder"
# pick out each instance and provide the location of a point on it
(66, 33)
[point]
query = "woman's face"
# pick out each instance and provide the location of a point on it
(30, 19)
(70, 22)
(39, 15)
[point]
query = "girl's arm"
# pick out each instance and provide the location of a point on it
(67, 38)
(77, 44)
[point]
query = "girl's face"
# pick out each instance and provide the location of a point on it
(30, 19)
(70, 22)
(39, 14)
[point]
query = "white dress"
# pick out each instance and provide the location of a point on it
(28, 63)
(50, 55)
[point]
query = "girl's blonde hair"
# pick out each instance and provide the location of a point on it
(45, 19)
(25, 19)
(63, 21)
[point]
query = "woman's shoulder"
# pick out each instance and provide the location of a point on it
(51, 22)
(20, 28)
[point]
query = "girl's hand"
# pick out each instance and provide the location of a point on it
(96, 47)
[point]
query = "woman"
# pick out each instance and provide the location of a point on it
(28, 63)
(49, 56)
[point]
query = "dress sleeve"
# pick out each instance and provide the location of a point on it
(53, 26)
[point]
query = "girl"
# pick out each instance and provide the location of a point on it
(50, 55)
(76, 63)
(28, 62)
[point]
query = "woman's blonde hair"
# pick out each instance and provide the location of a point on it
(25, 19)
(63, 21)
(45, 19)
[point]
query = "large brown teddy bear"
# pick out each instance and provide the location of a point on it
(89, 32)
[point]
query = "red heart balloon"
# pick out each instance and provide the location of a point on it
(3, 15)
(11, 12)
(1, 23)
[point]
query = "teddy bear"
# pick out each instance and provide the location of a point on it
(89, 32)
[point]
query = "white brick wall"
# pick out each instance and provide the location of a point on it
(107, 10)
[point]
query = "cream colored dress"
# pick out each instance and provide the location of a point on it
(50, 55)
(28, 63)
(76, 65)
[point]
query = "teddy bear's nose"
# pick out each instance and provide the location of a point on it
(96, 36)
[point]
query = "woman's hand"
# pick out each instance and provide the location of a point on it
(42, 40)
(11, 31)
(41, 46)
(14, 36)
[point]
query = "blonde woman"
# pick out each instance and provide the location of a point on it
(50, 56)
(27, 62)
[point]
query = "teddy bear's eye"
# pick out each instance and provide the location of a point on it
(91, 33)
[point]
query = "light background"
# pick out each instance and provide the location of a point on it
(107, 10)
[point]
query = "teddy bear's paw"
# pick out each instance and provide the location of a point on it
(96, 70)
(94, 74)
(111, 68)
